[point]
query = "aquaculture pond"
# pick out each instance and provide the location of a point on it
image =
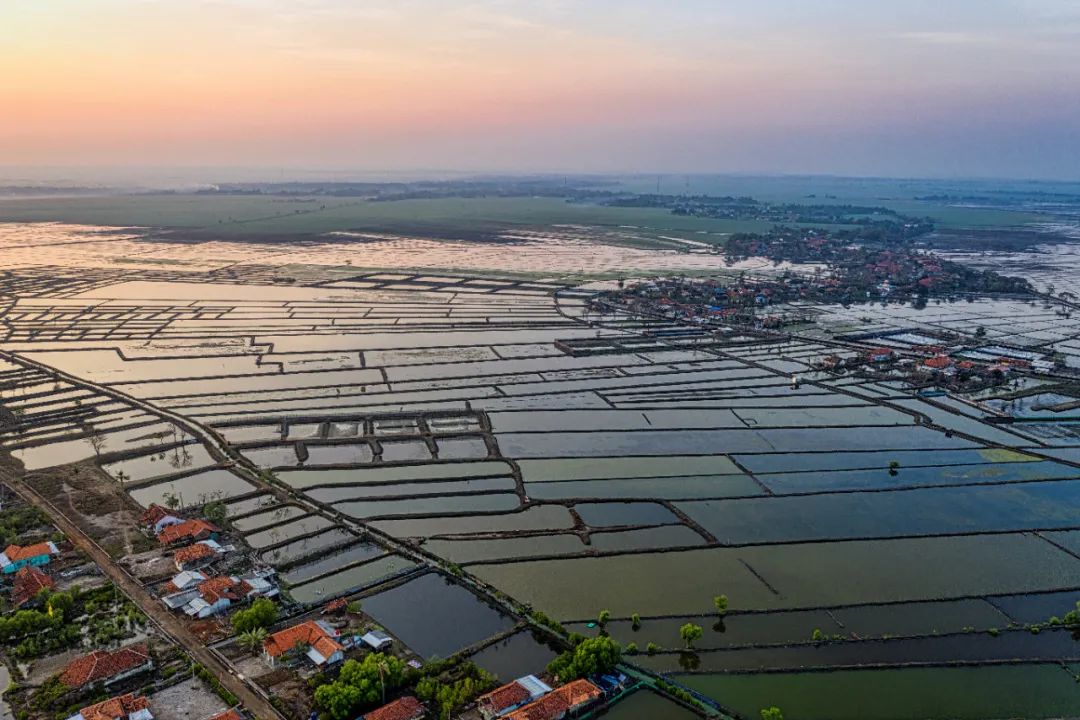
(350, 579)
(193, 490)
(434, 616)
(515, 656)
(982, 693)
(291, 552)
(326, 564)
(647, 705)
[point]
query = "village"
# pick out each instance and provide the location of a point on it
(79, 649)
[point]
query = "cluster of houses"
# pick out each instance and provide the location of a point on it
(21, 564)
(196, 593)
(529, 698)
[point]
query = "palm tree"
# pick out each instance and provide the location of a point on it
(252, 639)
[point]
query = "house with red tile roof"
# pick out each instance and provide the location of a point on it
(938, 362)
(187, 531)
(106, 666)
(197, 555)
(157, 518)
(16, 557)
(510, 697)
(560, 702)
(211, 596)
(124, 707)
(405, 708)
(29, 581)
(318, 641)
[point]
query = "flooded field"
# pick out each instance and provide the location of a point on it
(441, 410)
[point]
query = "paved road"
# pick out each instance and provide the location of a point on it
(165, 620)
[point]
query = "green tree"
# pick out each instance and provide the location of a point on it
(592, 656)
(253, 639)
(772, 713)
(690, 633)
(360, 683)
(216, 512)
(721, 604)
(635, 622)
(603, 618)
(262, 613)
(817, 635)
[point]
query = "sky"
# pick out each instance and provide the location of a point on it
(941, 88)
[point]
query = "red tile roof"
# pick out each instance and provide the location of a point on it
(406, 708)
(502, 698)
(230, 714)
(216, 588)
(188, 530)
(308, 632)
(938, 363)
(115, 708)
(198, 551)
(29, 581)
(102, 665)
(15, 553)
(558, 702)
(154, 514)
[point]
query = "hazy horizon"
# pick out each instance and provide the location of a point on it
(965, 89)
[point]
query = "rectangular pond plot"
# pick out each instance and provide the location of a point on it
(516, 656)
(613, 514)
(1037, 608)
(766, 463)
(469, 551)
(646, 705)
(443, 487)
(360, 552)
(160, 464)
(798, 575)
(1068, 539)
(301, 479)
(434, 616)
(664, 488)
(871, 621)
(604, 468)
(287, 531)
(1029, 691)
(462, 448)
(735, 630)
(564, 420)
(273, 516)
(237, 508)
(250, 433)
(347, 454)
(657, 538)
(537, 518)
(195, 489)
(1011, 646)
(905, 477)
(288, 554)
(927, 511)
(497, 502)
(405, 451)
(351, 579)
(272, 456)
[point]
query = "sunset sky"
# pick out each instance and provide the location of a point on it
(919, 87)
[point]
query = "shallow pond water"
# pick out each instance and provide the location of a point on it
(434, 616)
(350, 579)
(287, 554)
(287, 531)
(356, 553)
(516, 656)
(195, 489)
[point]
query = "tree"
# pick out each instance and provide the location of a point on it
(721, 603)
(253, 639)
(690, 633)
(980, 332)
(772, 713)
(216, 512)
(894, 467)
(635, 622)
(262, 613)
(590, 657)
(603, 618)
(360, 683)
(817, 635)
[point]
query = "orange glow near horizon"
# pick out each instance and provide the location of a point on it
(417, 82)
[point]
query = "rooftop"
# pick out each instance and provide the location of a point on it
(405, 708)
(103, 664)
